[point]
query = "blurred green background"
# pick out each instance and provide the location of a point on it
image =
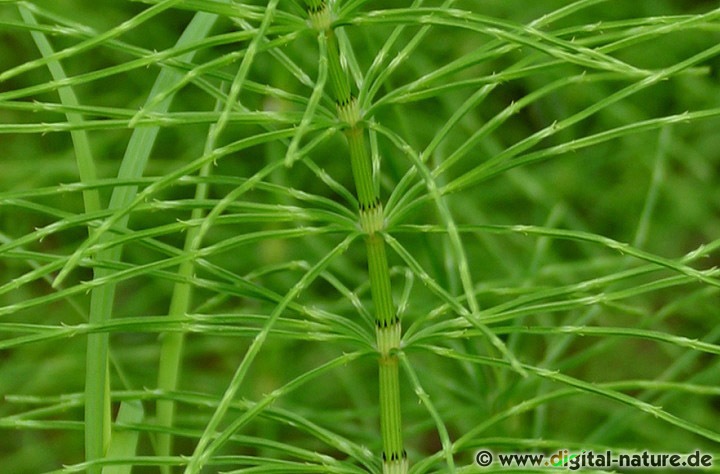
(653, 187)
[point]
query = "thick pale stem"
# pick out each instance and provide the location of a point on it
(172, 343)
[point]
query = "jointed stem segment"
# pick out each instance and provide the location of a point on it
(388, 329)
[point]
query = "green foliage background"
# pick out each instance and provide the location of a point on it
(572, 149)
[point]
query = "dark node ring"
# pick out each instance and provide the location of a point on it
(345, 102)
(394, 456)
(386, 324)
(368, 207)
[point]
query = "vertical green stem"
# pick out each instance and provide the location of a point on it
(97, 406)
(173, 342)
(388, 328)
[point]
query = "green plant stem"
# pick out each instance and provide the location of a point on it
(97, 407)
(388, 327)
(97, 390)
(81, 142)
(172, 342)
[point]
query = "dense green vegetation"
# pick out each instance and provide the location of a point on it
(184, 245)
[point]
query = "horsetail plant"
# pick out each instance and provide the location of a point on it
(387, 322)
(356, 237)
